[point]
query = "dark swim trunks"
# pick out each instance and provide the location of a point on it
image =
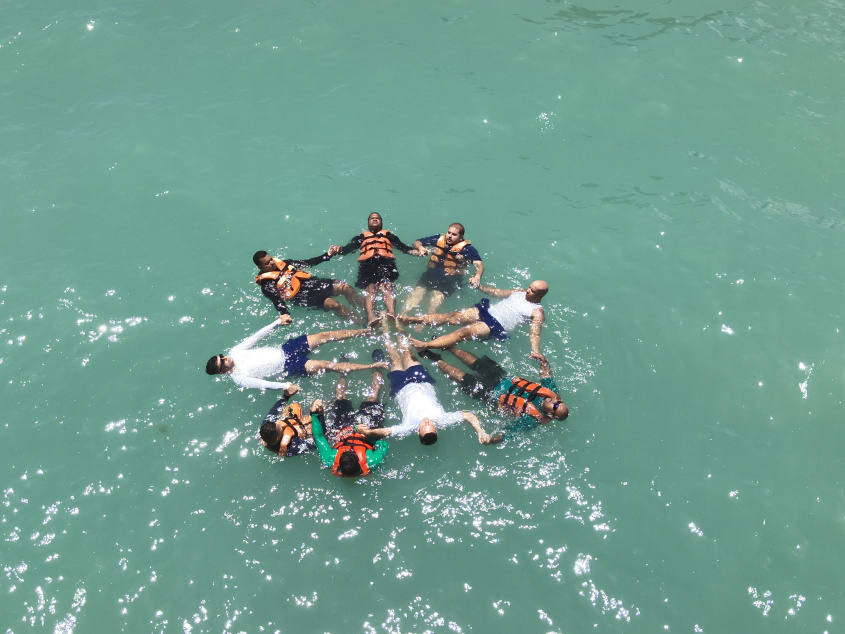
(296, 354)
(496, 330)
(400, 378)
(376, 270)
(339, 414)
(437, 280)
(488, 374)
(314, 292)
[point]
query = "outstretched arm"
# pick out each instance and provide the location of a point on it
(268, 288)
(545, 368)
(253, 339)
(498, 292)
(250, 382)
(538, 318)
(380, 432)
(353, 245)
(483, 437)
(304, 264)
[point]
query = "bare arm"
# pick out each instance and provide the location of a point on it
(483, 437)
(538, 318)
(545, 368)
(380, 432)
(475, 280)
(253, 339)
(500, 293)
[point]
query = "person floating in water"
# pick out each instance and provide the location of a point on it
(286, 429)
(249, 366)
(413, 388)
(341, 446)
(483, 321)
(376, 264)
(284, 280)
(447, 265)
(527, 403)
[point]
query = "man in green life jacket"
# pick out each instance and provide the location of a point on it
(337, 429)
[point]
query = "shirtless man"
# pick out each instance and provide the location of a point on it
(446, 268)
(483, 321)
(284, 280)
(376, 264)
(249, 366)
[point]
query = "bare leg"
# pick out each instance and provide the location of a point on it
(369, 299)
(435, 301)
(406, 350)
(343, 311)
(453, 372)
(389, 299)
(319, 338)
(414, 300)
(457, 318)
(466, 357)
(478, 330)
(313, 366)
(340, 389)
(377, 380)
(392, 350)
(351, 295)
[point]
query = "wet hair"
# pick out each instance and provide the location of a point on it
(212, 366)
(268, 432)
(259, 255)
(429, 439)
(459, 226)
(348, 464)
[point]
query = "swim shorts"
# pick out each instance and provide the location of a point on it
(496, 329)
(488, 375)
(313, 292)
(376, 270)
(296, 354)
(400, 378)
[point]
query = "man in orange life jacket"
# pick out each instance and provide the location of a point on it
(340, 444)
(376, 264)
(284, 280)
(286, 430)
(446, 267)
(526, 403)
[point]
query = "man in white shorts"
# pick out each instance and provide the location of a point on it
(483, 321)
(413, 388)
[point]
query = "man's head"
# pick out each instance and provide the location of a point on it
(348, 464)
(270, 433)
(454, 234)
(262, 259)
(554, 408)
(536, 291)
(427, 431)
(374, 223)
(219, 364)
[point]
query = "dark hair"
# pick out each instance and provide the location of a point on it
(348, 464)
(429, 439)
(212, 366)
(259, 255)
(269, 434)
(459, 226)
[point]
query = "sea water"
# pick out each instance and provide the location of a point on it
(673, 170)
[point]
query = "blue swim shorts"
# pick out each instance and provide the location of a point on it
(296, 354)
(401, 378)
(496, 330)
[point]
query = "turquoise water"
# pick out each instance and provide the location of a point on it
(674, 170)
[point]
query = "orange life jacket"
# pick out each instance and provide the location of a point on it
(288, 279)
(349, 439)
(292, 419)
(453, 262)
(376, 244)
(514, 402)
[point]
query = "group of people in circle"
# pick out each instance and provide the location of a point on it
(354, 442)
